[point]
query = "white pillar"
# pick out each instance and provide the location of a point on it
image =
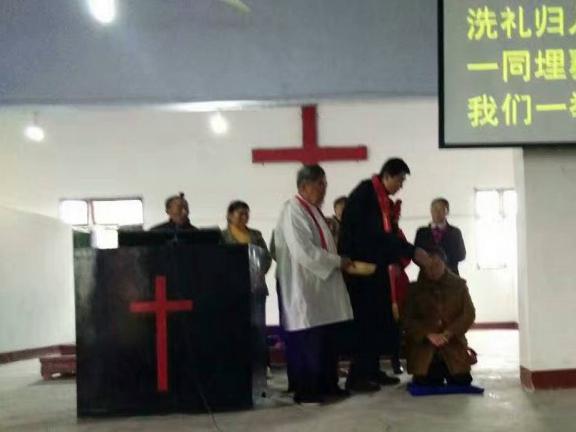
(546, 184)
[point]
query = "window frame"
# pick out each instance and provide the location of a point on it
(90, 207)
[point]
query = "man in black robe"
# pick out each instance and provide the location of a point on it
(363, 238)
(177, 211)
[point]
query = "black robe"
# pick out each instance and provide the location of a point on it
(362, 238)
(172, 227)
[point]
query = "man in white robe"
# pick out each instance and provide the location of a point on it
(314, 300)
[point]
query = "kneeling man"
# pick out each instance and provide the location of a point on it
(438, 313)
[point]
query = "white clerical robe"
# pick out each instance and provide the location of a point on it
(311, 283)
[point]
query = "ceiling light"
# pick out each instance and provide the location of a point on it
(103, 11)
(219, 124)
(33, 131)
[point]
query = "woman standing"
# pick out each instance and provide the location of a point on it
(238, 232)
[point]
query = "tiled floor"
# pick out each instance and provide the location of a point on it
(28, 404)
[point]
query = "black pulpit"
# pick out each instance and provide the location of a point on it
(162, 329)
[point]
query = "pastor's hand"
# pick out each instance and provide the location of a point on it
(421, 257)
(346, 263)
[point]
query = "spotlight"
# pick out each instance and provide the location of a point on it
(103, 11)
(34, 133)
(219, 124)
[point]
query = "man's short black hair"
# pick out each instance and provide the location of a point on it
(173, 198)
(442, 201)
(394, 167)
(340, 200)
(309, 173)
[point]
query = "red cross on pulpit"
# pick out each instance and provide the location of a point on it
(161, 307)
(310, 152)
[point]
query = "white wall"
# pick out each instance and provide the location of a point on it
(152, 153)
(547, 231)
(36, 283)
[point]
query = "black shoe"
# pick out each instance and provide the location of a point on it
(337, 392)
(363, 386)
(385, 380)
(308, 400)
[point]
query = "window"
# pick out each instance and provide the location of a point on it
(103, 217)
(74, 212)
(118, 212)
(495, 228)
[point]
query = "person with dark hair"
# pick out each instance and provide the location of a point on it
(440, 233)
(334, 221)
(395, 169)
(369, 233)
(313, 297)
(437, 314)
(177, 210)
(238, 232)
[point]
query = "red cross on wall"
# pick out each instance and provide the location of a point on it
(310, 152)
(161, 307)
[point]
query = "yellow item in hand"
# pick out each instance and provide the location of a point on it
(361, 268)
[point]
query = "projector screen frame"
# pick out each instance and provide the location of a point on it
(441, 117)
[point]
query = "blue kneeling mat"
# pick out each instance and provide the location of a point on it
(419, 390)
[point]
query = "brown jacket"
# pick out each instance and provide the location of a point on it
(445, 307)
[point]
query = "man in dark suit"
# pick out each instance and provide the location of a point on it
(177, 210)
(369, 233)
(440, 233)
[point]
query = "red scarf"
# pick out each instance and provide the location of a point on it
(308, 208)
(384, 202)
(391, 214)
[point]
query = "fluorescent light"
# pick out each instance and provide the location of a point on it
(104, 11)
(238, 5)
(34, 133)
(214, 106)
(219, 124)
